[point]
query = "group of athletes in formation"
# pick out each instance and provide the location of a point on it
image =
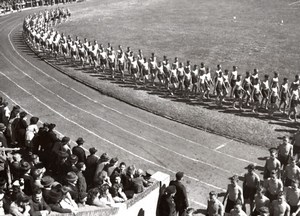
(185, 79)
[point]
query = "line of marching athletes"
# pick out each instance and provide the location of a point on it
(176, 77)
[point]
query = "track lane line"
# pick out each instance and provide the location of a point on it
(95, 101)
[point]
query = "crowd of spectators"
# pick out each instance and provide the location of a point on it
(7, 6)
(40, 172)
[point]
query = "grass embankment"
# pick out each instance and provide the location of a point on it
(198, 31)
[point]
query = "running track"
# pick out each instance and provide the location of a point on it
(135, 136)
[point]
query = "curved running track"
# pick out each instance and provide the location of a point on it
(135, 136)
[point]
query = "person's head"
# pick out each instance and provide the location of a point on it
(207, 69)
(239, 77)
(22, 200)
(37, 195)
(93, 150)
(35, 159)
(286, 139)
(234, 180)
(139, 172)
(71, 177)
(47, 181)
(273, 153)
(264, 211)
(266, 77)
(276, 74)
(104, 158)
(103, 175)
(170, 190)
(293, 162)
(65, 140)
(122, 166)
(251, 168)
(117, 179)
(114, 161)
(104, 190)
(226, 72)
(92, 195)
(296, 77)
(273, 175)
(238, 205)
(195, 67)
(80, 141)
(219, 66)
(285, 80)
(179, 176)
(295, 184)
(213, 195)
(73, 159)
(130, 170)
(23, 115)
(81, 166)
(255, 71)
(247, 73)
(234, 68)
(37, 174)
(280, 197)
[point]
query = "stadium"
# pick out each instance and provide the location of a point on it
(200, 93)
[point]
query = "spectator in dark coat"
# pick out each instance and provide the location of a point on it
(21, 129)
(71, 182)
(91, 165)
(138, 182)
(9, 131)
(38, 206)
(119, 171)
(3, 140)
(117, 190)
(127, 182)
(79, 151)
(48, 138)
(15, 166)
(180, 198)
(39, 139)
(59, 166)
(166, 206)
(47, 182)
(82, 186)
(54, 198)
(14, 122)
(28, 180)
(71, 164)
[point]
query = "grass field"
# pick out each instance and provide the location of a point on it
(198, 30)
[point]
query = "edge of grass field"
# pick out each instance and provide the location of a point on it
(243, 129)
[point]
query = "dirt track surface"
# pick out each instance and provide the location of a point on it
(135, 136)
